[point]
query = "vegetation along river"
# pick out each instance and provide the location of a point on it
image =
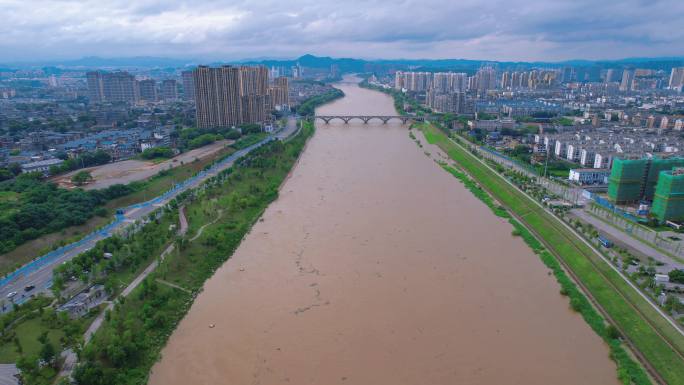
(375, 266)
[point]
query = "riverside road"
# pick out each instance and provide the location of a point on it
(38, 273)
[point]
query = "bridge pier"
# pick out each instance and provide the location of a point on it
(365, 120)
(346, 120)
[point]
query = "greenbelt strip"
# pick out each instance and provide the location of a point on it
(659, 343)
(133, 334)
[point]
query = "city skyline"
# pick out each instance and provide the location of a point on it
(219, 30)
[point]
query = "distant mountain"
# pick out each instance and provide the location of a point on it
(360, 65)
(311, 61)
(346, 64)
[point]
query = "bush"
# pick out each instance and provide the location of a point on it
(203, 140)
(81, 178)
(676, 276)
(232, 135)
(157, 152)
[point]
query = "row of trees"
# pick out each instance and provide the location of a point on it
(93, 267)
(191, 138)
(87, 159)
(157, 152)
(130, 340)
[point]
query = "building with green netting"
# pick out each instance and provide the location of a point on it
(655, 168)
(668, 201)
(632, 180)
(626, 180)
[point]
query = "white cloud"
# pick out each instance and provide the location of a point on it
(494, 29)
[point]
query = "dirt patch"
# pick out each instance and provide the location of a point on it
(134, 170)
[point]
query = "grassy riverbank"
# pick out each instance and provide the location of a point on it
(128, 344)
(650, 333)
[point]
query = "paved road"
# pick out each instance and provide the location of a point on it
(43, 274)
(7, 373)
(38, 273)
(630, 241)
(569, 193)
(70, 357)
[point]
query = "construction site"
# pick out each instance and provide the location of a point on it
(647, 181)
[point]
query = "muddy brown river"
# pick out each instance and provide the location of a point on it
(376, 267)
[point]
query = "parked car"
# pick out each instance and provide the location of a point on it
(605, 242)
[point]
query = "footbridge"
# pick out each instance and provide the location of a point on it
(367, 118)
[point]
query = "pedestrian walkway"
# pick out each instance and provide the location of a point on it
(173, 285)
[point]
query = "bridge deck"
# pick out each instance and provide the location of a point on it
(367, 118)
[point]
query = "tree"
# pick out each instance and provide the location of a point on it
(14, 168)
(47, 353)
(81, 178)
(91, 373)
(5, 174)
(672, 304)
(28, 367)
(232, 135)
(676, 276)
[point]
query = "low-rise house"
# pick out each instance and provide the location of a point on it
(82, 302)
(42, 166)
(589, 176)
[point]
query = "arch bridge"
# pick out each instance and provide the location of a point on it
(367, 118)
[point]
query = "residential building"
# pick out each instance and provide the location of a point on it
(120, 87)
(188, 85)
(668, 201)
(279, 93)
(95, 84)
(217, 96)
(627, 78)
(169, 90)
(677, 78)
(42, 166)
(148, 90)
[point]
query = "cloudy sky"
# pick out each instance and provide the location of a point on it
(235, 29)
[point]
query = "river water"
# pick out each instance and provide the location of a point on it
(375, 266)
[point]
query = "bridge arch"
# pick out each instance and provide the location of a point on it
(368, 118)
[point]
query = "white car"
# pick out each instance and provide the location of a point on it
(11, 294)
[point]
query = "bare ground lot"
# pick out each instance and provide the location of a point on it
(134, 170)
(34, 248)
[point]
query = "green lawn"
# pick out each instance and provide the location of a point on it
(28, 332)
(31, 324)
(658, 341)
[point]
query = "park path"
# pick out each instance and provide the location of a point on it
(70, 357)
